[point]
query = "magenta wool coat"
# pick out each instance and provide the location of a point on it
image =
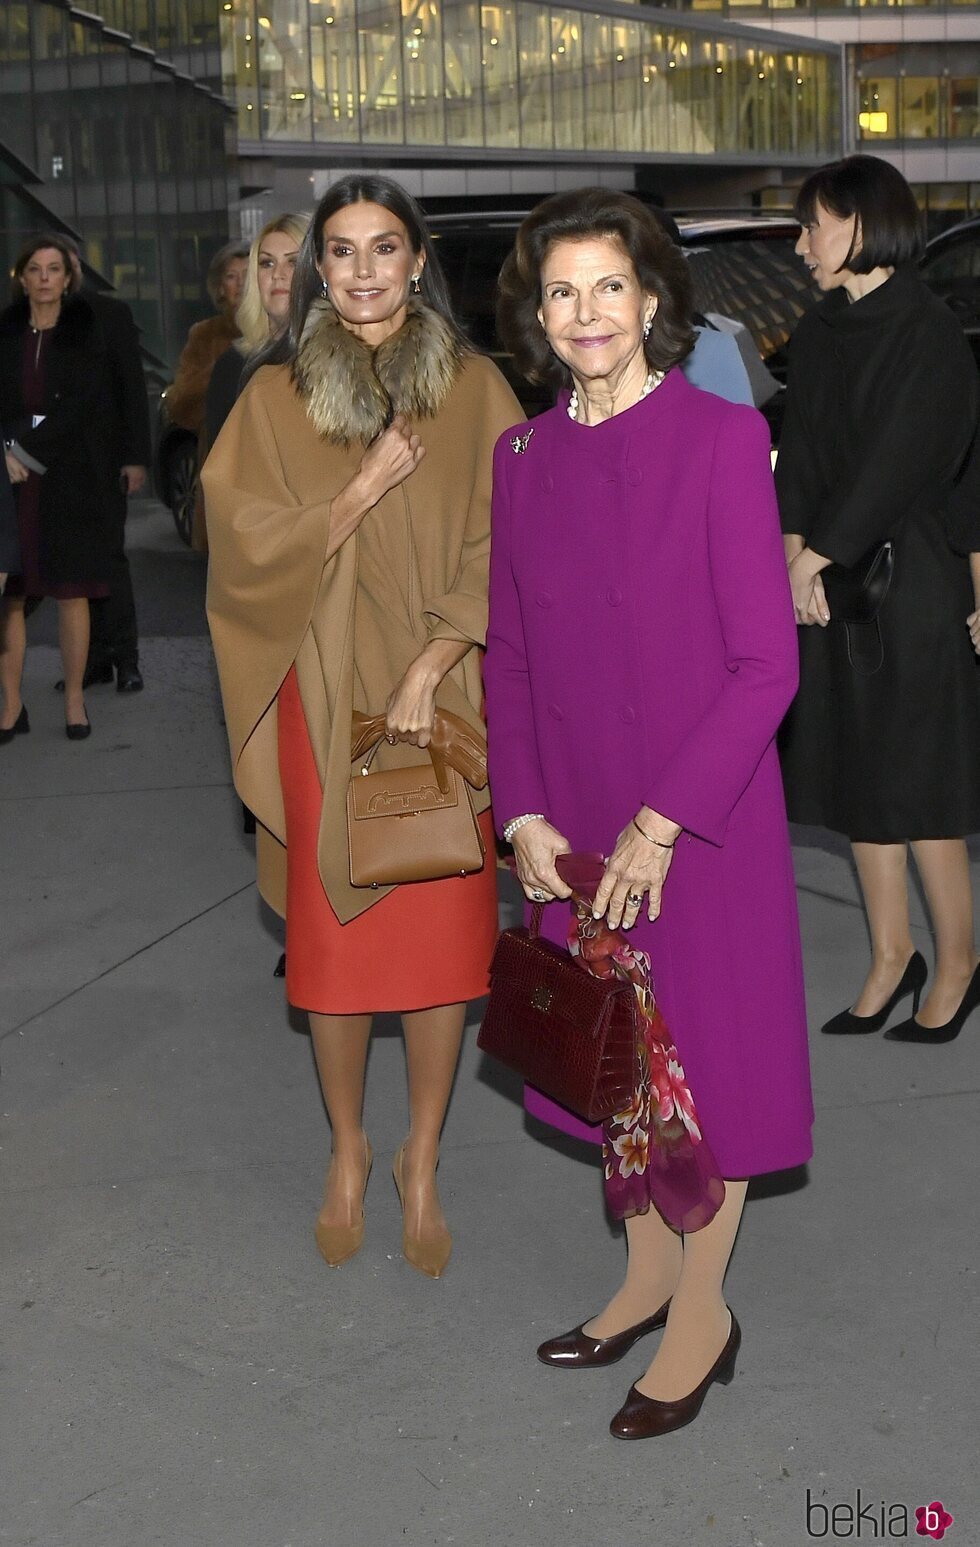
(642, 650)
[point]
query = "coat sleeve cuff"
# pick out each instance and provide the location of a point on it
(17, 450)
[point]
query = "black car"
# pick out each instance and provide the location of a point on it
(951, 268)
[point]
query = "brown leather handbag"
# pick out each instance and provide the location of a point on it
(410, 824)
(571, 1035)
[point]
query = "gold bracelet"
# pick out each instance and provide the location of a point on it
(655, 841)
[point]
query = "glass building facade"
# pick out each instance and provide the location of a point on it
(102, 138)
(917, 91)
(518, 76)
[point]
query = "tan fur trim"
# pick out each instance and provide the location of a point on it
(352, 392)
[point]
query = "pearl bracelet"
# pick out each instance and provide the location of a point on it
(511, 827)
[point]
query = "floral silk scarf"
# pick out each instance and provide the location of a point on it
(654, 1151)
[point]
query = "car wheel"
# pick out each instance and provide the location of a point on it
(182, 477)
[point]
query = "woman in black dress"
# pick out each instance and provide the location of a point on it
(883, 742)
(56, 427)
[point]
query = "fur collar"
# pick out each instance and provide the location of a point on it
(352, 392)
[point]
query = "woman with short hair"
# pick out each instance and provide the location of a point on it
(640, 656)
(349, 515)
(883, 742)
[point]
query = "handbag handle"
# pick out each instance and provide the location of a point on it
(438, 767)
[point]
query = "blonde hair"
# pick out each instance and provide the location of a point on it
(253, 324)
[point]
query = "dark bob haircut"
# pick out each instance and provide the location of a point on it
(575, 217)
(887, 223)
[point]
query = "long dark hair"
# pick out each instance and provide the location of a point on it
(357, 188)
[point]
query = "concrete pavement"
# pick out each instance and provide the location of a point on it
(182, 1370)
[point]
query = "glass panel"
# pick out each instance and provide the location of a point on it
(501, 116)
(964, 109)
(464, 90)
(424, 97)
(333, 57)
(534, 38)
(656, 92)
(566, 63)
(628, 84)
(380, 45)
(920, 108)
(284, 71)
(599, 123)
(726, 96)
(703, 78)
(680, 127)
(238, 67)
(877, 117)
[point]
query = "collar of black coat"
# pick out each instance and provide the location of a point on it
(352, 391)
(902, 290)
(74, 325)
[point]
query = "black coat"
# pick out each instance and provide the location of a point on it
(882, 410)
(76, 442)
(9, 544)
(131, 413)
(223, 390)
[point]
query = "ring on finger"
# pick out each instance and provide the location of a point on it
(634, 899)
(537, 895)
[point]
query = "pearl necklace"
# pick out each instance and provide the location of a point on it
(652, 382)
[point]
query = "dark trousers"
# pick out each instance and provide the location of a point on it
(114, 637)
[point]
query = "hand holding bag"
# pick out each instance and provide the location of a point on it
(410, 824)
(583, 1027)
(855, 594)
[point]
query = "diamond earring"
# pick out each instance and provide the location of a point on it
(324, 288)
(416, 288)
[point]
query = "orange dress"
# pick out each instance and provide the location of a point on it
(424, 944)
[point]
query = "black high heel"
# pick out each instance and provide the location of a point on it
(20, 727)
(913, 1031)
(913, 979)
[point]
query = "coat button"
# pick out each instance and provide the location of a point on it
(555, 712)
(634, 476)
(547, 483)
(544, 599)
(614, 596)
(627, 714)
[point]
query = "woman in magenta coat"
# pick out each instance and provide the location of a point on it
(640, 656)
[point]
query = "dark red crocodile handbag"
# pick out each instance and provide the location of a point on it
(572, 1035)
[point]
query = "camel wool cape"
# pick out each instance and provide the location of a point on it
(350, 620)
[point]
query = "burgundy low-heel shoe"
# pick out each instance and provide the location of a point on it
(643, 1418)
(576, 1350)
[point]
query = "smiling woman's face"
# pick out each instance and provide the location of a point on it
(592, 305)
(368, 264)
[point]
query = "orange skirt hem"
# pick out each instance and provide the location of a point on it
(424, 944)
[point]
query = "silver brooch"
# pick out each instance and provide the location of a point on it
(519, 443)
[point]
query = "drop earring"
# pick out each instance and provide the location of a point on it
(415, 287)
(324, 289)
(647, 326)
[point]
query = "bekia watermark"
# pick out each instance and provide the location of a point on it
(870, 1522)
